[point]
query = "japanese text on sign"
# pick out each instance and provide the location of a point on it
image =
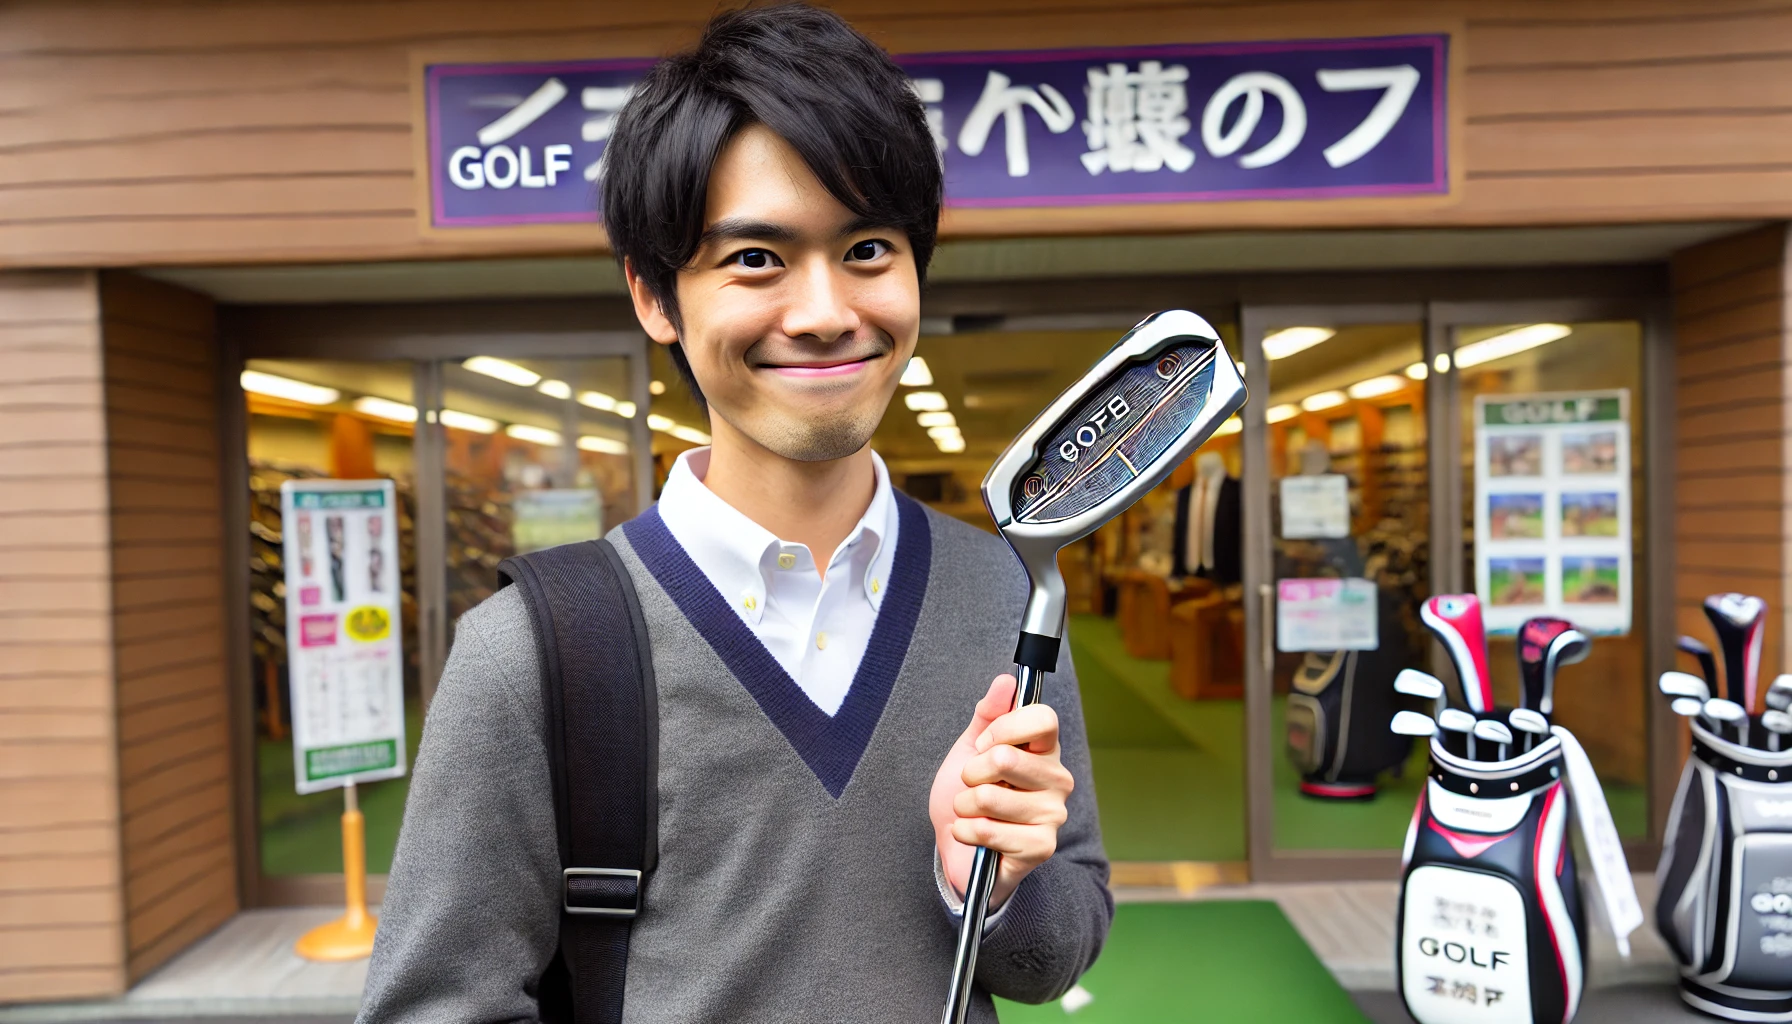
(1315, 119)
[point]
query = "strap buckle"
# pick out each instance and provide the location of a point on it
(607, 892)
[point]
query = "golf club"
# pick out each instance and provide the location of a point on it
(1411, 723)
(1740, 622)
(1707, 660)
(1534, 639)
(1496, 733)
(1112, 436)
(1455, 619)
(1689, 707)
(1779, 695)
(1423, 685)
(1778, 724)
(1458, 720)
(1532, 723)
(1570, 647)
(1684, 684)
(1728, 712)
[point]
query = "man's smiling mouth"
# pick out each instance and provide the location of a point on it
(822, 368)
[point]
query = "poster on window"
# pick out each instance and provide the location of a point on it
(1552, 509)
(345, 655)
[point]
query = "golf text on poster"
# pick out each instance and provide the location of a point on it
(1552, 509)
(523, 143)
(345, 656)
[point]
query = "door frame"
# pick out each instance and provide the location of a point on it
(425, 335)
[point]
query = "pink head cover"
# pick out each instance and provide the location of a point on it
(1456, 621)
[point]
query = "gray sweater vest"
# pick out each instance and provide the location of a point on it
(796, 875)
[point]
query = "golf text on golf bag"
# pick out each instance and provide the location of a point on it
(1492, 926)
(1725, 907)
(1115, 434)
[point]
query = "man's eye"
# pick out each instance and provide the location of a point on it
(755, 259)
(867, 250)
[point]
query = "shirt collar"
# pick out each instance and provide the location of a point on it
(739, 556)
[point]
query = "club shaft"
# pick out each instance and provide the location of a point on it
(982, 882)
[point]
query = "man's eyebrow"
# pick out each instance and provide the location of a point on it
(858, 224)
(736, 229)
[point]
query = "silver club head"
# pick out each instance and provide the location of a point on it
(1109, 438)
(1777, 723)
(1488, 731)
(1728, 712)
(1531, 723)
(1684, 684)
(1779, 695)
(1458, 720)
(1688, 707)
(1411, 723)
(1423, 685)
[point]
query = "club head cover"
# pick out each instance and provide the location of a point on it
(1707, 661)
(1740, 622)
(1534, 640)
(1455, 619)
(1568, 648)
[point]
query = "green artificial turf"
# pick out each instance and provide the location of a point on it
(1213, 961)
(302, 835)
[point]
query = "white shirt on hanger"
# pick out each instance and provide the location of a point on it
(817, 628)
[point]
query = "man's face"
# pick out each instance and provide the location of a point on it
(797, 319)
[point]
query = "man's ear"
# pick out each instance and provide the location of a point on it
(648, 309)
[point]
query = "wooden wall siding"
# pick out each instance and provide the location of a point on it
(168, 617)
(61, 926)
(1733, 512)
(189, 131)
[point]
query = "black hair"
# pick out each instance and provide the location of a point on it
(809, 77)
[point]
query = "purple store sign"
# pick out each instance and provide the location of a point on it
(1320, 119)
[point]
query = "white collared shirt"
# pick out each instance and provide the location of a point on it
(816, 628)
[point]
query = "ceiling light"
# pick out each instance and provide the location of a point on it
(626, 410)
(656, 387)
(691, 434)
(941, 433)
(467, 421)
(504, 370)
(1375, 387)
(916, 374)
(1442, 363)
(1510, 343)
(1324, 400)
(937, 419)
(1240, 364)
(555, 388)
(1418, 371)
(534, 435)
(1290, 340)
(950, 445)
(386, 409)
(602, 445)
(1231, 426)
(925, 401)
(597, 400)
(1278, 413)
(287, 388)
(660, 423)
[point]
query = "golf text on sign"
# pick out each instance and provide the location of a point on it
(344, 655)
(1300, 119)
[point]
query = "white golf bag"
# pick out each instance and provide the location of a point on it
(1725, 907)
(1492, 927)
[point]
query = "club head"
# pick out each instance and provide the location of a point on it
(1777, 721)
(1688, 707)
(1570, 647)
(1118, 432)
(1455, 619)
(1707, 660)
(1526, 720)
(1411, 723)
(1727, 711)
(1414, 683)
(1492, 732)
(1456, 720)
(1534, 640)
(1684, 684)
(1739, 621)
(1779, 695)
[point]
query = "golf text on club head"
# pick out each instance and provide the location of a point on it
(1086, 435)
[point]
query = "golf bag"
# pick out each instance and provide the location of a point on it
(1492, 924)
(1338, 712)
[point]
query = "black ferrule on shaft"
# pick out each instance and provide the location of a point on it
(1037, 652)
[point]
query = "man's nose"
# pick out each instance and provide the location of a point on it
(820, 303)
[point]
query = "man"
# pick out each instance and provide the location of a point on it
(819, 640)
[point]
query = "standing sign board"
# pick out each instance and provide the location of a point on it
(522, 143)
(345, 656)
(1552, 509)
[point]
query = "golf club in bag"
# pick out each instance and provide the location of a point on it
(1115, 434)
(1725, 908)
(1337, 710)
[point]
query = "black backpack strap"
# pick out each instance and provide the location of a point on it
(603, 745)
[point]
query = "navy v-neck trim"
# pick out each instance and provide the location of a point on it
(830, 746)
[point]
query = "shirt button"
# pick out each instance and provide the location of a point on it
(821, 641)
(786, 561)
